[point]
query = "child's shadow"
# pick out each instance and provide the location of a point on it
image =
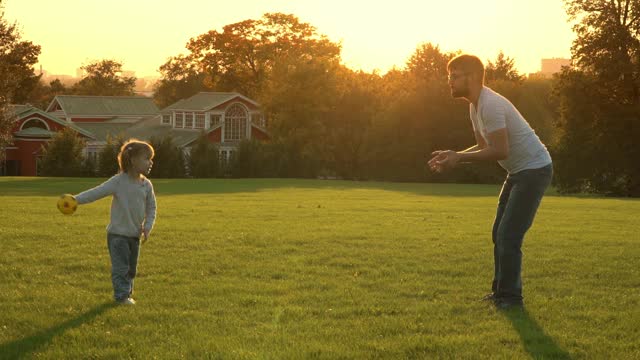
(536, 342)
(18, 349)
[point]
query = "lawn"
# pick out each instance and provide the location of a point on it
(305, 269)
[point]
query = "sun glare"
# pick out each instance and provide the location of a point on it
(374, 35)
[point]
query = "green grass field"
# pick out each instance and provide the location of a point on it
(302, 269)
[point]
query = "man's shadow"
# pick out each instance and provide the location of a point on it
(536, 343)
(19, 349)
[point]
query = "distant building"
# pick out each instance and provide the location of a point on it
(226, 119)
(554, 65)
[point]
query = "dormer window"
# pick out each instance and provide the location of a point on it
(179, 120)
(235, 123)
(199, 121)
(215, 120)
(34, 123)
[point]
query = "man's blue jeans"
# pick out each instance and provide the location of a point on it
(123, 251)
(519, 200)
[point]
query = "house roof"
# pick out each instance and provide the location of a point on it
(123, 111)
(74, 105)
(102, 131)
(32, 110)
(151, 127)
(203, 101)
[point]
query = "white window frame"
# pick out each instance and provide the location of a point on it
(188, 115)
(203, 120)
(247, 126)
(209, 119)
(179, 115)
(34, 118)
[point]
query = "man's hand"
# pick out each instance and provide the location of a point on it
(433, 163)
(443, 160)
(145, 236)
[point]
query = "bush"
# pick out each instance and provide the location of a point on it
(204, 159)
(169, 161)
(63, 155)
(108, 157)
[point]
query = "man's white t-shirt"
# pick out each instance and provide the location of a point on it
(495, 112)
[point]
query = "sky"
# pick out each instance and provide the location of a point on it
(375, 35)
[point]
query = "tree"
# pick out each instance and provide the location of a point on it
(104, 78)
(63, 154)
(418, 116)
(42, 94)
(7, 121)
(503, 69)
(536, 103)
(242, 56)
(599, 100)
(299, 100)
(180, 79)
(349, 124)
(17, 57)
(607, 44)
(17, 77)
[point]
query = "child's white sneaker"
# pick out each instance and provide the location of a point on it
(127, 301)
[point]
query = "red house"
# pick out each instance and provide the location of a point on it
(32, 130)
(226, 118)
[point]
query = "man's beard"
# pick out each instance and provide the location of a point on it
(459, 93)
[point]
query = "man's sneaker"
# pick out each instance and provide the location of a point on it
(489, 297)
(503, 304)
(127, 301)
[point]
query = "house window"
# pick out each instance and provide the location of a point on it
(188, 120)
(166, 119)
(215, 120)
(235, 123)
(179, 120)
(199, 121)
(34, 123)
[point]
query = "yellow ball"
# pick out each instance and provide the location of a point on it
(67, 204)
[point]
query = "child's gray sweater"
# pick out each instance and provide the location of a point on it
(133, 207)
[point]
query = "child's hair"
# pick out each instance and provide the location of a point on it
(130, 149)
(469, 64)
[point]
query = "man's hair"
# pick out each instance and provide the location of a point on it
(130, 149)
(469, 64)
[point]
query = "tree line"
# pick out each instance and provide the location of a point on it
(328, 120)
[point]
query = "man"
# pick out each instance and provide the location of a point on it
(501, 134)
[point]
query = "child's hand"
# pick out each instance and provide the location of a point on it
(145, 236)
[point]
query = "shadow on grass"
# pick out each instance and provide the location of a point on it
(536, 342)
(41, 186)
(55, 186)
(22, 348)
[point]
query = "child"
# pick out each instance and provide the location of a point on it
(133, 212)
